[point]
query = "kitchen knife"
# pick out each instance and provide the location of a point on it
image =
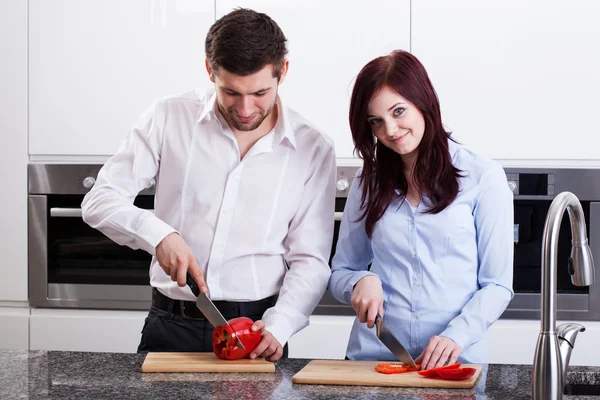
(207, 307)
(392, 343)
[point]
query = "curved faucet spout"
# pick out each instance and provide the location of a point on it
(581, 264)
(551, 356)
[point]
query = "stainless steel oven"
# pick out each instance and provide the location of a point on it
(534, 190)
(73, 265)
(70, 264)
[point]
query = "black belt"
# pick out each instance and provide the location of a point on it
(229, 309)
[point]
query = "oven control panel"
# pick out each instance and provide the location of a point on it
(343, 181)
(531, 184)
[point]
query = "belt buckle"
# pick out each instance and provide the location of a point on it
(182, 308)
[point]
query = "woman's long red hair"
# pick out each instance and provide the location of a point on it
(434, 174)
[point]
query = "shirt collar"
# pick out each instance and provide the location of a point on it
(283, 128)
(208, 111)
(452, 145)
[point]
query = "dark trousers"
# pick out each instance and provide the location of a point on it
(178, 326)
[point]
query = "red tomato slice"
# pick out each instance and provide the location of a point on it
(434, 371)
(457, 374)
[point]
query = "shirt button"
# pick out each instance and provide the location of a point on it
(417, 283)
(414, 346)
(416, 314)
(412, 222)
(413, 253)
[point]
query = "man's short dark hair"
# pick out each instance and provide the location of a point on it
(244, 42)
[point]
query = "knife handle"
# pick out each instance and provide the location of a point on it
(192, 284)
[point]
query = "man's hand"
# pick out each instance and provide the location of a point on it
(367, 299)
(269, 348)
(439, 350)
(175, 257)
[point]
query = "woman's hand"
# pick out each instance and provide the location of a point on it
(367, 299)
(439, 350)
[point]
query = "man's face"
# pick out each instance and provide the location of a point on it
(246, 101)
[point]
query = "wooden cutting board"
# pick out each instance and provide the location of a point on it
(362, 373)
(202, 362)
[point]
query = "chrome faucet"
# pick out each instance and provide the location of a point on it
(554, 345)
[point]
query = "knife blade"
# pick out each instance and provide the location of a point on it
(208, 308)
(391, 342)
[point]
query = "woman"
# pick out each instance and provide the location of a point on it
(432, 219)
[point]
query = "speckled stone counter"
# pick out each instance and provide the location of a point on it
(71, 375)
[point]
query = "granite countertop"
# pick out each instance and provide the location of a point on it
(76, 375)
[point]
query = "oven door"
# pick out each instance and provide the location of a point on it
(75, 266)
(328, 304)
(573, 302)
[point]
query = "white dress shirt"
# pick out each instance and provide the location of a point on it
(257, 226)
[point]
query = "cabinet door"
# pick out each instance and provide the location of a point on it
(96, 65)
(516, 79)
(329, 42)
(13, 156)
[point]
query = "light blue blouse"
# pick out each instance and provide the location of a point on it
(447, 274)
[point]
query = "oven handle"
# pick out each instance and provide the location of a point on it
(63, 212)
(76, 212)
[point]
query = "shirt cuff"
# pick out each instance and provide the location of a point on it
(279, 326)
(152, 231)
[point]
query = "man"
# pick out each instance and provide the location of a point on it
(244, 197)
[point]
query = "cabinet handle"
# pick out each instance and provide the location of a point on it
(76, 212)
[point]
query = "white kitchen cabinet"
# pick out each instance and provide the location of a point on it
(514, 341)
(516, 79)
(15, 328)
(86, 330)
(326, 337)
(13, 151)
(329, 42)
(510, 341)
(96, 65)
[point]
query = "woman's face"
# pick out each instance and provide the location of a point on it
(396, 122)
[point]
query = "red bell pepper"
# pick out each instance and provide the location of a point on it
(394, 368)
(434, 371)
(456, 374)
(225, 339)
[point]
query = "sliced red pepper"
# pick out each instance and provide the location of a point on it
(225, 339)
(457, 374)
(434, 371)
(395, 368)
